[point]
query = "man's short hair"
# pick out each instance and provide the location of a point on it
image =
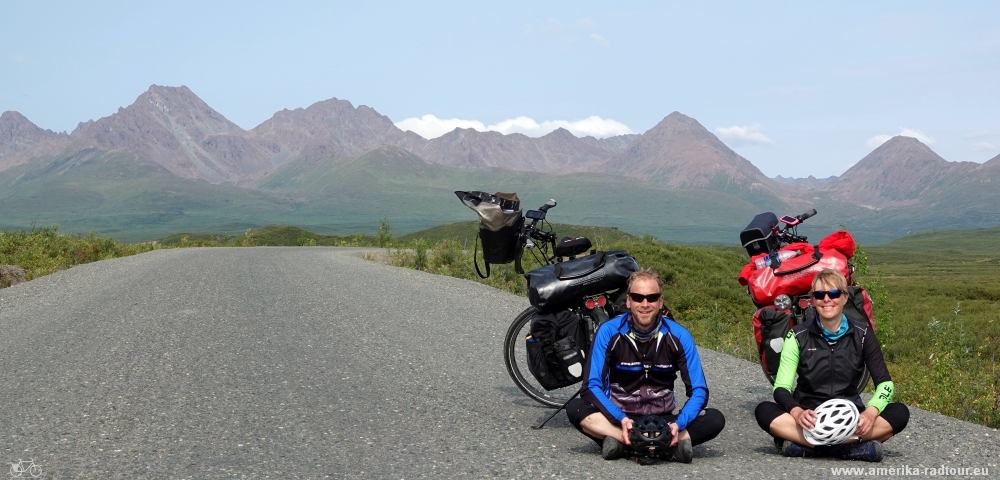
(645, 274)
(830, 277)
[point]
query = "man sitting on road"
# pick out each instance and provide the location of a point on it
(631, 372)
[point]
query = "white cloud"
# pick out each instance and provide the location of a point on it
(919, 135)
(593, 126)
(521, 124)
(983, 134)
(740, 136)
(20, 59)
(878, 140)
(984, 147)
(599, 40)
(587, 24)
(429, 126)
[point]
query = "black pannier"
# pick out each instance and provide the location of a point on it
(556, 349)
(759, 236)
(556, 286)
(500, 222)
(770, 326)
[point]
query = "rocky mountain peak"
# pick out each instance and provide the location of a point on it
(18, 134)
(680, 152)
(896, 172)
(172, 127)
(333, 128)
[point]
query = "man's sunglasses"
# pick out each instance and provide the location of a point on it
(651, 298)
(820, 294)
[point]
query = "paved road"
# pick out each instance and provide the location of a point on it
(313, 363)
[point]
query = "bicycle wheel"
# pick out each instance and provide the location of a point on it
(515, 357)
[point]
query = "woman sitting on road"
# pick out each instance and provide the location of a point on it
(829, 353)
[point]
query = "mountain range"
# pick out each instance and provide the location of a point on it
(169, 162)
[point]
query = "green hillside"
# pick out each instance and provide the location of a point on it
(130, 200)
(413, 195)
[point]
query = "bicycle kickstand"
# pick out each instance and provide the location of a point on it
(563, 407)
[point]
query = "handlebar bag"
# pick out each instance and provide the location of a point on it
(500, 222)
(759, 236)
(555, 286)
(557, 348)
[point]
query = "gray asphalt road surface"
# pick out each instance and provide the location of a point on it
(314, 363)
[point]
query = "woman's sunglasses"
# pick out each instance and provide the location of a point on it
(651, 298)
(820, 294)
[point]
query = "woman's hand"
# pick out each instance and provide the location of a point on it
(805, 419)
(866, 421)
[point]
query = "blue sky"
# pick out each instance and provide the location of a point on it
(798, 88)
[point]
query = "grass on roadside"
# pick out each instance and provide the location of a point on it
(937, 309)
(44, 250)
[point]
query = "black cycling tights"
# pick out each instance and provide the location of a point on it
(703, 428)
(896, 414)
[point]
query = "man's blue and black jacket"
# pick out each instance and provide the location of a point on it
(621, 381)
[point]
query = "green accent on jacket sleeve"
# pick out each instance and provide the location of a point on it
(882, 396)
(789, 363)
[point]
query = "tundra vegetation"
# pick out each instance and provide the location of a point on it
(936, 295)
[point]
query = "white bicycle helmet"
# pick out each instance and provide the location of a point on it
(836, 420)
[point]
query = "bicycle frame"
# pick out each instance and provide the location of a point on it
(593, 311)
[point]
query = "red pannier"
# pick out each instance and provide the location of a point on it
(794, 276)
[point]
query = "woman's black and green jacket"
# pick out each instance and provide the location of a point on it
(830, 370)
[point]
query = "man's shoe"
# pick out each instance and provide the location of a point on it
(792, 449)
(612, 448)
(682, 452)
(870, 451)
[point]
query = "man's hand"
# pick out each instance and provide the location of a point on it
(674, 433)
(805, 419)
(866, 421)
(627, 424)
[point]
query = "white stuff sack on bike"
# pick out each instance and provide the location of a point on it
(500, 221)
(556, 286)
(556, 348)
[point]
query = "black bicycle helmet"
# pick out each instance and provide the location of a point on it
(650, 436)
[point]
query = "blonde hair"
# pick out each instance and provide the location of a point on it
(645, 274)
(830, 277)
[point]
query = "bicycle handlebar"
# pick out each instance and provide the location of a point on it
(806, 215)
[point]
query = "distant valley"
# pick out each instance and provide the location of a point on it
(169, 162)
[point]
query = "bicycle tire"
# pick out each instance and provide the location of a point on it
(515, 358)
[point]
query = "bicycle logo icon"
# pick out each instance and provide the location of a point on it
(18, 469)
